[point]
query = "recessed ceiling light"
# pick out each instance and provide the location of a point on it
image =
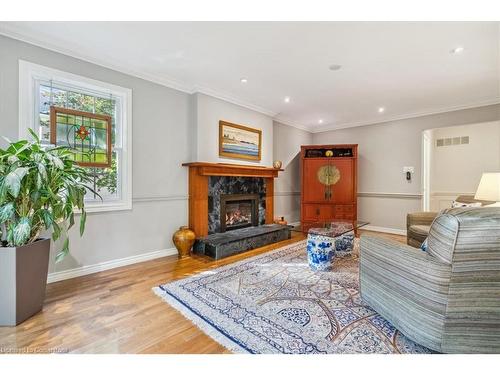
(243, 80)
(381, 110)
(335, 67)
(457, 50)
(320, 121)
(287, 99)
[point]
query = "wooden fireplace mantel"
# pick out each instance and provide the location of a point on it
(222, 169)
(199, 172)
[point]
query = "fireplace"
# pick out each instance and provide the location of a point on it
(238, 211)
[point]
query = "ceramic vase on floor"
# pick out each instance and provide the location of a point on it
(183, 240)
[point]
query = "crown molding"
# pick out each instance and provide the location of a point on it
(11, 32)
(436, 111)
(292, 124)
(232, 99)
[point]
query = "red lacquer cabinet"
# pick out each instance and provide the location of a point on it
(329, 183)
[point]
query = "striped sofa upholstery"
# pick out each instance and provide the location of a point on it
(448, 298)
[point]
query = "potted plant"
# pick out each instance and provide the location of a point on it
(40, 187)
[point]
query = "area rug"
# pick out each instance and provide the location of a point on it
(274, 303)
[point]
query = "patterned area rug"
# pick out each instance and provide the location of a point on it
(274, 303)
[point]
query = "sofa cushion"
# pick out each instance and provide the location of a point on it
(468, 199)
(456, 204)
(419, 231)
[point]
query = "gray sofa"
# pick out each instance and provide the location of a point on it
(418, 223)
(448, 298)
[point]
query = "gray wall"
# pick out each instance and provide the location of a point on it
(160, 145)
(210, 110)
(169, 128)
(287, 142)
(384, 149)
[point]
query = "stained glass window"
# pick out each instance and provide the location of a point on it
(88, 135)
(96, 113)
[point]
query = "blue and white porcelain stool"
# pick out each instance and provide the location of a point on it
(324, 244)
(344, 244)
(320, 251)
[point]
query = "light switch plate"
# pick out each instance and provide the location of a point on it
(408, 169)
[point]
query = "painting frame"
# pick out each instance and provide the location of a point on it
(55, 111)
(245, 154)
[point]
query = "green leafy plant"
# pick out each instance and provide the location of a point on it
(39, 189)
(107, 178)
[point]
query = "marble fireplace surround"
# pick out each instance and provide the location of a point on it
(237, 186)
(207, 181)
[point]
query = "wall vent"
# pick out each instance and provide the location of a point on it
(455, 141)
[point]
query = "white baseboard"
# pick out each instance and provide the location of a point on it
(401, 232)
(87, 270)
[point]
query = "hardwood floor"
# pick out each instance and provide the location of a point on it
(116, 312)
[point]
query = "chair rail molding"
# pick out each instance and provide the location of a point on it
(390, 195)
(159, 198)
(286, 193)
(450, 193)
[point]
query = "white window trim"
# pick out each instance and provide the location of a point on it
(29, 73)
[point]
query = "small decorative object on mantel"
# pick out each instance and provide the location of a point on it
(240, 142)
(281, 221)
(184, 240)
(277, 164)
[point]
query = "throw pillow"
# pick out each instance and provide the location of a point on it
(424, 245)
(456, 204)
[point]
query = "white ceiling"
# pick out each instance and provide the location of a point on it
(405, 67)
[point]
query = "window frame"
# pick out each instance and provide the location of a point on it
(29, 76)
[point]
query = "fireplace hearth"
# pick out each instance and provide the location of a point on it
(238, 211)
(246, 220)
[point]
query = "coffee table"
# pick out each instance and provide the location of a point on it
(328, 239)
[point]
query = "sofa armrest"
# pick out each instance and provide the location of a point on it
(420, 218)
(407, 286)
(388, 248)
(404, 267)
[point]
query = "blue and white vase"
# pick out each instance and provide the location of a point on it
(320, 252)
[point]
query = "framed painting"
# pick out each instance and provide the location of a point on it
(88, 135)
(240, 142)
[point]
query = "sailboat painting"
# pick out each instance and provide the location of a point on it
(240, 142)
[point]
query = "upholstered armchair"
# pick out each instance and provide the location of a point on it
(419, 223)
(448, 298)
